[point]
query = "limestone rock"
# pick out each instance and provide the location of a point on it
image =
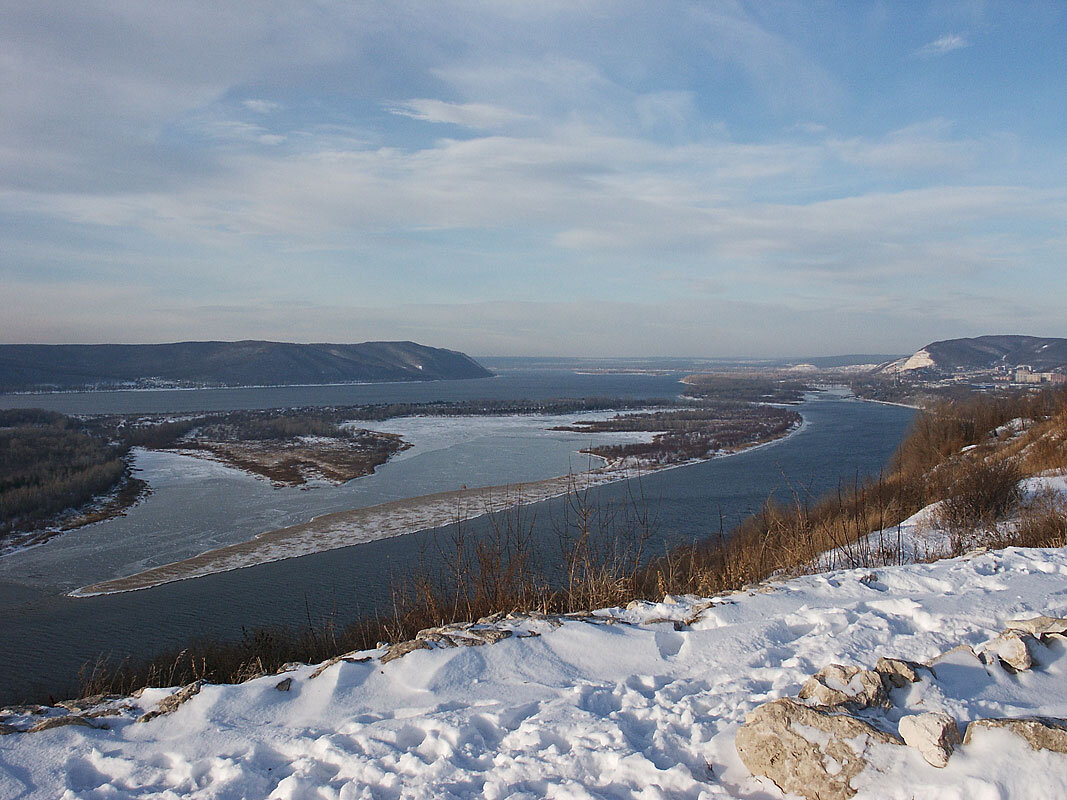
(171, 703)
(1011, 648)
(436, 636)
(466, 640)
(284, 685)
(934, 735)
(806, 751)
(836, 685)
(403, 648)
(1041, 733)
(59, 722)
(85, 703)
(492, 635)
(897, 672)
(325, 665)
(963, 650)
(1040, 626)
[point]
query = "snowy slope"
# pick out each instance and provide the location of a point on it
(616, 705)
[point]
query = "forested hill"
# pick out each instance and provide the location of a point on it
(247, 363)
(985, 352)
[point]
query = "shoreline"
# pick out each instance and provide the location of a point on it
(129, 492)
(397, 518)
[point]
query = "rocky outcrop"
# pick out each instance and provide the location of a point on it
(836, 685)
(1041, 627)
(815, 745)
(1041, 733)
(1012, 650)
(807, 751)
(934, 735)
(897, 673)
(171, 703)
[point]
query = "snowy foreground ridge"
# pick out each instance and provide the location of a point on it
(639, 702)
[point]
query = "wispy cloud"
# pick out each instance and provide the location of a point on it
(261, 106)
(943, 44)
(468, 155)
(481, 116)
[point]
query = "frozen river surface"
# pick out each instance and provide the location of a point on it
(198, 505)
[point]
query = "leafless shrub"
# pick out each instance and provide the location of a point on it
(602, 556)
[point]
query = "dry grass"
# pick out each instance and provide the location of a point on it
(600, 557)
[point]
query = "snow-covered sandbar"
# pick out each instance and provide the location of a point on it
(362, 525)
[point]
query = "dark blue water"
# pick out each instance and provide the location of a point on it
(46, 638)
(508, 384)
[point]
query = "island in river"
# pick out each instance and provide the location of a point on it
(362, 525)
(275, 432)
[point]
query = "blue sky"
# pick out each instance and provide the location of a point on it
(511, 178)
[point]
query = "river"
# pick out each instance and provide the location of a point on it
(46, 636)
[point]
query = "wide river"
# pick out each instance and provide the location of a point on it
(46, 636)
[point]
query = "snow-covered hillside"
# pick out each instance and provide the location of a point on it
(638, 702)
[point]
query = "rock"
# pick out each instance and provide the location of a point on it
(436, 636)
(492, 618)
(59, 722)
(107, 712)
(836, 685)
(467, 641)
(808, 752)
(896, 672)
(1012, 650)
(403, 648)
(325, 665)
(493, 635)
(960, 650)
(677, 624)
(1040, 626)
(170, 704)
(1041, 733)
(348, 658)
(81, 704)
(284, 685)
(934, 735)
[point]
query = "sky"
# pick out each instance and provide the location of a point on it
(586, 178)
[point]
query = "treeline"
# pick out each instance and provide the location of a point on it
(159, 431)
(49, 464)
(602, 550)
(463, 408)
(744, 388)
(691, 433)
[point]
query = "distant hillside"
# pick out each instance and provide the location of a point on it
(984, 352)
(248, 363)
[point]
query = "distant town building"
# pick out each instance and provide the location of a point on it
(1024, 374)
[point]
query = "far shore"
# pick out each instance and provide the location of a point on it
(362, 525)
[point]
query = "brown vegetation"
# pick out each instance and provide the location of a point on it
(48, 465)
(601, 556)
(691, 433)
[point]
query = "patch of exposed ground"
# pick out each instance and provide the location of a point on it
(293, 462)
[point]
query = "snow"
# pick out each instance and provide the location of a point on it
(921, 359)
(921, 537)
(639, 702)
(396, 518)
